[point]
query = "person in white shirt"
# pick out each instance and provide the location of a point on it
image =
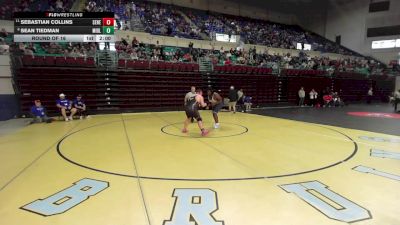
(370, 95)
(302, 95)
(313, 97)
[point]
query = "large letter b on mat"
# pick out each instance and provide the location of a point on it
(194, 206)
(67, 198)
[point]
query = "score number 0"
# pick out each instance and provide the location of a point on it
(108, 21)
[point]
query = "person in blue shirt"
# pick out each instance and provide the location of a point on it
(80, 106)
(247, 103)
(65, 107)
(39, 113)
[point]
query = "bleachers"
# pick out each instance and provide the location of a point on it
(299, 72)
(294, 83)
(157, 65)
(354, 87)
(240, 69)
(263, 88)
(143, 89)
(46, 83)
(28, 60)
(158, 84)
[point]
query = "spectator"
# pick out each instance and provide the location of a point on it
(3, 34)
(302, 95)
(233, 97)
(313, 97)
(396, 99)
(247, 103)
(4, 48)
(135, 42)
(240, 95)
(370, 95)
(80, 107)
(39, 113)
(328, 100)
(228, 61)
(65, 107)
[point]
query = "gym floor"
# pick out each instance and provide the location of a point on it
(289, 166)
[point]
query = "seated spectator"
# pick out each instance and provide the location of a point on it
(38, 113)
(337, 101)
(65, 107)
(247, 103)
(80, 106)
(328, 100)
(228, 61)
(135, 43)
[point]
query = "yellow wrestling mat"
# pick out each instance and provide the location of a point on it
(139, 169)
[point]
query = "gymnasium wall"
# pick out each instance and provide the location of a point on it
(8, 100)
(313, 21)
(8, 25)
(351, 19)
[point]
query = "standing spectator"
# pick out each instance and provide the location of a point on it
(313, 97)
(39, 113)
(80, 106)
(370, 95)
(396, 99)
(241, 100)
(302, 95)
(233, 97)
(65, 107)
(190, 47)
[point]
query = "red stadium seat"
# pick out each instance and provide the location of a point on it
(50, 61)
(70, 61)
(161, 65)
(130, 64)
(90, 62)
(80, 61)
(196, 67)
(145, 65)
(38, 61)
(121, 63)
(175, 67)
(168, 66)
(228, 68)
(27, 60)
(154, 65)
(60, 61)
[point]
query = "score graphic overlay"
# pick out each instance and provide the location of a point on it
(64, 27)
